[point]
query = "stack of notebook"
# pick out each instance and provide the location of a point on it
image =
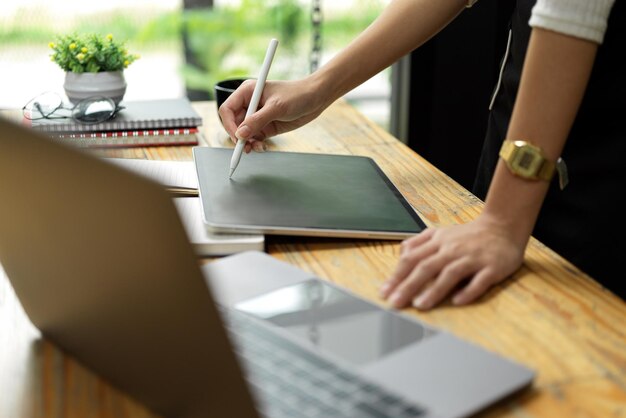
(139, 123)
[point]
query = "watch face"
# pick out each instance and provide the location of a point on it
(526, 162)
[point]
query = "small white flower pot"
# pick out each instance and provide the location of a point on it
(79, 86)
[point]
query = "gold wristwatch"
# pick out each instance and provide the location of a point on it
(528, 161)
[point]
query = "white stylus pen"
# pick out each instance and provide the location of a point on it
(254, 101)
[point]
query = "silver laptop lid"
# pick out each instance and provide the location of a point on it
(102, 266)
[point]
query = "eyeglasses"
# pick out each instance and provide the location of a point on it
(95, 109)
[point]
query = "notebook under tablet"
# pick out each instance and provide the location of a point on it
(108, 274)
(289, 193)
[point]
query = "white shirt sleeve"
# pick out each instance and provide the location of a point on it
(586, 19)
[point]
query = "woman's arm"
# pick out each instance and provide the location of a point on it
(555, 76)
(403, 26)
(490, 248)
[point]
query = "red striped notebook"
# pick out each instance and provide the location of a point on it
(123, 139)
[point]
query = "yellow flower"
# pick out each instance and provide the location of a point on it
(83, 49)
(126, 63)
(80, 56)
(110, 36)
(72, 46)
(51, 45)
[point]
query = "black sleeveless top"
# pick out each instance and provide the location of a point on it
(585, 222)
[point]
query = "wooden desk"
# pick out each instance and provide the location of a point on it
(549, 316)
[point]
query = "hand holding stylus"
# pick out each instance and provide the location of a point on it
(254, 101)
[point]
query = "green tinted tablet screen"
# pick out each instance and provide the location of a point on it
(301, 191)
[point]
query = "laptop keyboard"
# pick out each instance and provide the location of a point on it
(289, 381)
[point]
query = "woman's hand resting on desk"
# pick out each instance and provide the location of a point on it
(284, 106)
(434, 263)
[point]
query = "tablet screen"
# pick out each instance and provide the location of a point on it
(301, 193)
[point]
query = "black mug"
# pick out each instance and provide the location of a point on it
(224, 88)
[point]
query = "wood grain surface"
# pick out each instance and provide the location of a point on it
(548, 316)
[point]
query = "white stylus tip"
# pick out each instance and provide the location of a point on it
(232, 170)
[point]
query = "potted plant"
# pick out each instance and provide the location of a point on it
(93, 64)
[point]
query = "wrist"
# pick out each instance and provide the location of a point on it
(320, 85)
(514, 228)
(333, 80)
(513, 202)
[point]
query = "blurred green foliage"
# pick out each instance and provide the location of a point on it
(226, 41)
(231, 41)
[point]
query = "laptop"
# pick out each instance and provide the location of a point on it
(297, 193)
(99, 260)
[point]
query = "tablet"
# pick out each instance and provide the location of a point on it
(288, 193)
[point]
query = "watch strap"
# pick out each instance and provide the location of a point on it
(546, 172)
(561, 169)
